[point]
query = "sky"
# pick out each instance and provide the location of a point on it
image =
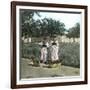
(67, 18)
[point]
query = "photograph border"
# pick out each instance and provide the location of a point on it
(13, 43)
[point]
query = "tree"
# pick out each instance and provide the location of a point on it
(41, 27)
(27, 23)
(74, 32)
(51, 27)
(36, 28)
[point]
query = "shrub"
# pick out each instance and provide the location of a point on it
(29, 50)
(69, 53)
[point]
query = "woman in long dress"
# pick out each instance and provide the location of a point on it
(44, 53)
(54, 52)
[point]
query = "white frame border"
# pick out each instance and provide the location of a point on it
(57, 79)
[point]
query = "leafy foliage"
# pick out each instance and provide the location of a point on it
(27, 23)
(36, 28)
(52, 27)
(69, 53)
(74, 32)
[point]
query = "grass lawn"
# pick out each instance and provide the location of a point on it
(29, 71)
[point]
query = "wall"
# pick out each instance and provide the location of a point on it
(5, 45)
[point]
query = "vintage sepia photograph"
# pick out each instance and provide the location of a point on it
(49, 44)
